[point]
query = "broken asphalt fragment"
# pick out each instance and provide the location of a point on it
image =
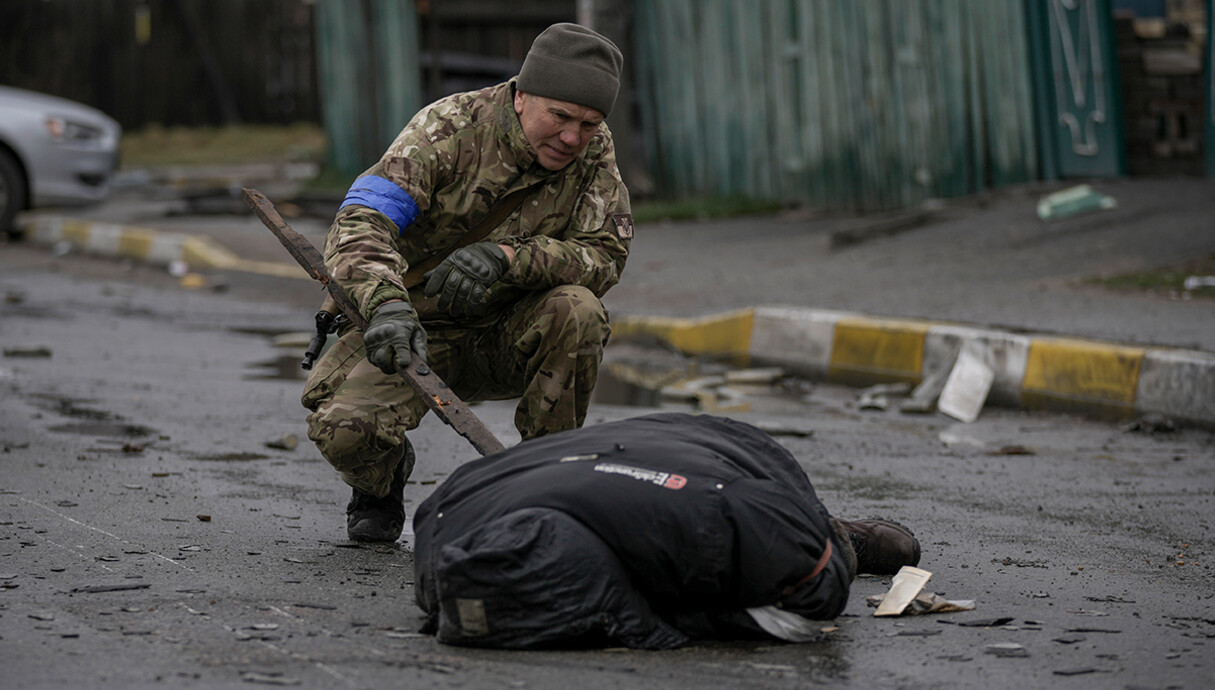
(268, 678)
(1072, 201)
(878, 397)
(98, 589)
(1151, 424)
(923, 399)
(1013, 450)
(986, 622)
(1070, 639)
(288, 442)
(27, 351)
(1007, 649)
(1075, 671)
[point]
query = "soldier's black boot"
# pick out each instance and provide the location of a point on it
(373, 519)
(881, 546)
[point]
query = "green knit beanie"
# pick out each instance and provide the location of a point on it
(568, 62)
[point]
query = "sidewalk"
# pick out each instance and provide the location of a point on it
(897, 305)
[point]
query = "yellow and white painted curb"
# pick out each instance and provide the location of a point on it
(200, 253)
(1031, 371)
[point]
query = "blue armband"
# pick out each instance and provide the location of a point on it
(384, 196)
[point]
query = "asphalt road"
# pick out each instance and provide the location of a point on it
(150, 538)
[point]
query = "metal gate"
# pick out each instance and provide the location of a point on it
(1079, 102)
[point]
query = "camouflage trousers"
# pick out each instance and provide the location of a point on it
(545, 348)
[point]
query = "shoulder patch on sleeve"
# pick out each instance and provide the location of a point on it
(624, 225)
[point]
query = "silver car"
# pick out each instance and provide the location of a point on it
(53, 152)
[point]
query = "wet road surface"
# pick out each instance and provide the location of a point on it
(149, 537)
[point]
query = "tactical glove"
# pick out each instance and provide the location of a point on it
(461, 279)
(393, 336)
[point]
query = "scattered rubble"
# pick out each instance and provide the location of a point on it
(927, 602)
(878, 397)
(288, 442)
(1073, 201)
(1007, 649)
(30, 351)
(1151, 424)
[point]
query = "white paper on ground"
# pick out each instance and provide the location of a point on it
(906, 584)
(967, 387)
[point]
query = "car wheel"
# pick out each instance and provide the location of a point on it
(12, 193)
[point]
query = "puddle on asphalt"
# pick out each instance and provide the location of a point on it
(96, 422)
(232, 457)
(111, 429)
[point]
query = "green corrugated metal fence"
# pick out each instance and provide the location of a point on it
(846, 104)
(367, 65)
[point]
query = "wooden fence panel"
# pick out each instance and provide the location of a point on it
(850, 104)
(172, 62)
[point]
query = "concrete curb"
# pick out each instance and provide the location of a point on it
(1031, 371)
(200, 253)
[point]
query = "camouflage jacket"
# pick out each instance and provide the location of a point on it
(444, 173)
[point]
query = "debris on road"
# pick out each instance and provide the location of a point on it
(1012, 650)
(1073, 201)
(968, 384)
(1076, 671)
(928, 602)
(878, 397)
(1070, 639)
(30, 351)
(268, 678)
(923, 399)
(777, 429)
(986, 622)
(1151, 424)
(100, 589)
(906, 584)
(1013, 450)
(646, 377)
(288, 442)
(765, 376)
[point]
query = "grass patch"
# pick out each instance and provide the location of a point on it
(702, 209)
(1169, 280)
(155, 146)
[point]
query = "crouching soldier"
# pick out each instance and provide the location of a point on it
(480, 243)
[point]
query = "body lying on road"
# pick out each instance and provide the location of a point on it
(646, 532)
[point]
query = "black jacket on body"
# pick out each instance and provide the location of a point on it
(642, 532)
